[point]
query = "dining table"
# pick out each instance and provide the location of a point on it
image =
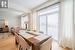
(34, 39)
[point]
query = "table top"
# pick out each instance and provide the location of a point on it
(35, 40)
(25, 34)
(34, 33)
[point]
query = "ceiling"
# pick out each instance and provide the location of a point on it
(21, 6)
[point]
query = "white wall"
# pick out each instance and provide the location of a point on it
(30, 21)
(13, 21)
(12, 17)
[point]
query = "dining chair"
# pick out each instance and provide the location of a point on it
(16, 39)
(47, 45)
(23, 45)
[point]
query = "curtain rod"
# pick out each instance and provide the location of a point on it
(48, 6)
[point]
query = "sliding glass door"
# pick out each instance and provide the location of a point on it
(52, 25)
(49, 21)
(43, 24)
(49, 24)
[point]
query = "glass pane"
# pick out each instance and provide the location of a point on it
(49, 20)
(43, 24)
(53, 25)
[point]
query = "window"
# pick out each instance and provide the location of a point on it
(24, 21)
(49, 20)
(52, 21)
(43, 24)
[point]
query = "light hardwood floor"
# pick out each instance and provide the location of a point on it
(9, 44)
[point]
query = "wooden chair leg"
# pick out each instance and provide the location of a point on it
(19, 47)
(16, 43)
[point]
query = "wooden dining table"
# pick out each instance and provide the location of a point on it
(34, 40)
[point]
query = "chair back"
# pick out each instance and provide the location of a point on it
(47, 45)
(24, 45)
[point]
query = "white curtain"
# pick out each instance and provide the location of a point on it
(66, 24)
(74, 26)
